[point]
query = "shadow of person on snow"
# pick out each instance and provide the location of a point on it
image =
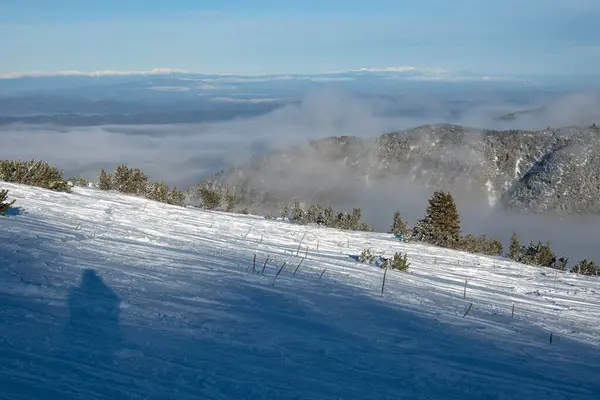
(92, 332)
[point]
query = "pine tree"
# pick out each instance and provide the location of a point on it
(297, 213)
(230, 201)
(514, 250)
(211, 198)
(176, 197)
(4, 205)
(399, 226)
(354, 219)
(285, 212)
(328, 216)
(441, 225)
(105, 180)
(545, 256)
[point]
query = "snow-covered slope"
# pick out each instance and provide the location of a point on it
(104, 296)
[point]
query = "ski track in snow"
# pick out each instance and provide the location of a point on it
(106, 296)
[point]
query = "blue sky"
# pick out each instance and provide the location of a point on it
(237, 36)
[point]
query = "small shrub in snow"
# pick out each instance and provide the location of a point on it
(33, 173)
(366, 256)
(4, 203)
(79, 180)
(398, 262)
(245, 211)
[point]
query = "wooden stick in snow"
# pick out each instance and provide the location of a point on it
(320, 276)
(278, 272)
(265, 265)
(465, 292)
(383, 283)
(296, 270)
(301, 240)
(468, 309)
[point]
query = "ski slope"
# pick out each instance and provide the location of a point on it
(106, 296)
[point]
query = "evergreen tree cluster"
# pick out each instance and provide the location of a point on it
(317, 214)
(481, 245)
(326, 216)
(212, 195)
(4, 203)
(441, 227)
(543, 255)
(134, 181)
(586, 267)
(33, 173)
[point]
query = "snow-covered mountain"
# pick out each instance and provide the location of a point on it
(549, 170)
(105, 296)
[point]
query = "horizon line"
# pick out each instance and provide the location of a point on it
(432, 73)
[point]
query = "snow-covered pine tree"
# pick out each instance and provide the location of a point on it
(399, 226)
(441, 225)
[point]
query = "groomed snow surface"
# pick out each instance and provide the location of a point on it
(106, 296)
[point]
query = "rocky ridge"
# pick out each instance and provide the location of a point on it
(551, 170)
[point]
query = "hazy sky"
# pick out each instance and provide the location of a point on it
(265, 36)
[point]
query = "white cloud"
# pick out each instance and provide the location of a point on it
(170, 88)
(402, 72)
(40, 74)
(238, 100)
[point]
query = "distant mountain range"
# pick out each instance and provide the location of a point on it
(555, 170)
(163, 96)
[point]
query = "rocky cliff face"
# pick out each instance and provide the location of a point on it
(553, 170)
